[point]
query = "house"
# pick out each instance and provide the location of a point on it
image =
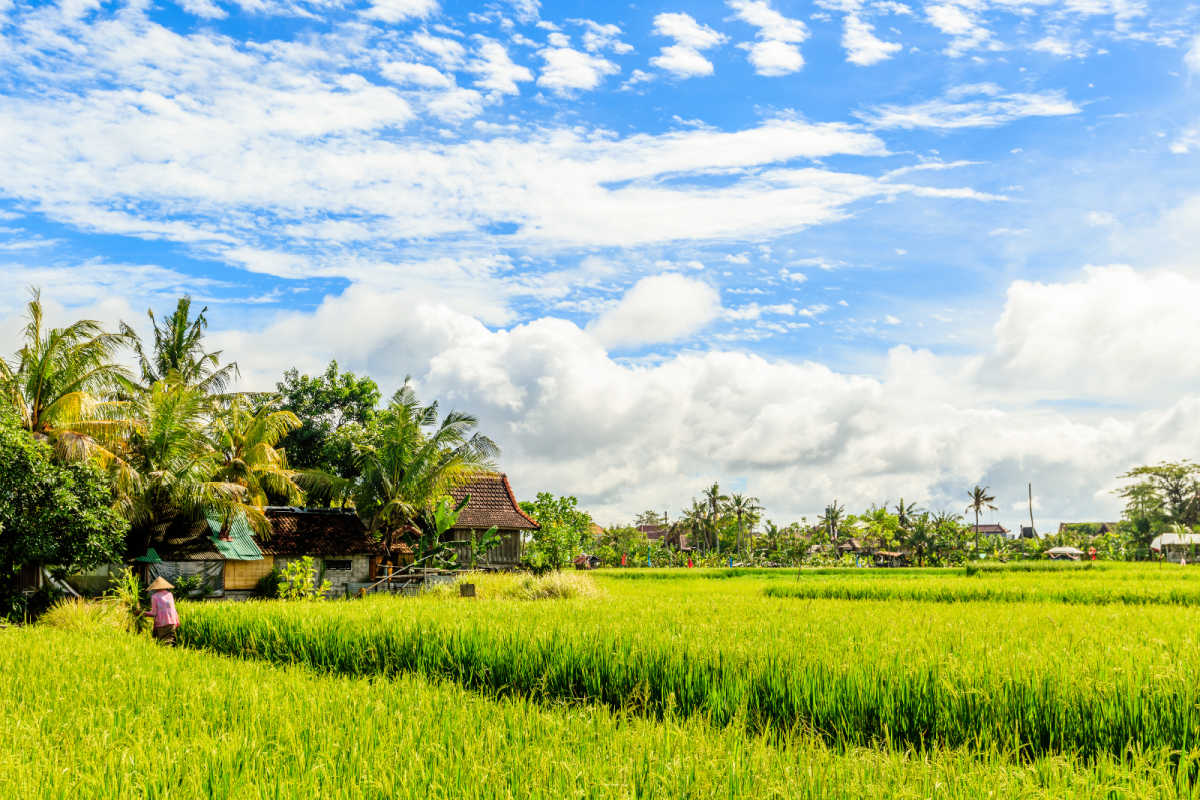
(991, 529)
(491, 504)
(653, 533)
(232, 565)
(1174, 546)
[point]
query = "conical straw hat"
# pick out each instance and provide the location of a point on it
(159, 583)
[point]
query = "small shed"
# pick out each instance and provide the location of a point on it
(492, 504)
(1174, 546)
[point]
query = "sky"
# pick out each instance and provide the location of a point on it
(812, 249)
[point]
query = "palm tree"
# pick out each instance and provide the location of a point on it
(905, 513)
(695, 520)
(980, 501)
(167, 468)
(715, 504)
(743, 508)
(60, 376)
(921, 536)
(414, 461)
(831, 520)
(179, 354)
(246, 442)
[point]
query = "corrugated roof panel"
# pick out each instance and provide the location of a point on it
(240, 546)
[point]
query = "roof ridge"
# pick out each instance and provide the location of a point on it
(512, 497)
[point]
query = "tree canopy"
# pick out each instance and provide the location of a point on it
(52, 513)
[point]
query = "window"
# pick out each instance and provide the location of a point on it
(334, 565)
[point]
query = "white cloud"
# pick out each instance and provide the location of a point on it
(1113, 332)
(568, 70)
(405, 72)
(1061, 47)
(658, 309)
(955, 20)
(1191, 58)
(771, 24)
(772, 58)
(448, 52)
(397, 10)
(598, 37)
(685, 30)
(496, 70)
(683, 59)
(573, 420)
(974, 106)
(205, 9)
(776, 52)
(862, 46)
(682, 62)
(455, 105)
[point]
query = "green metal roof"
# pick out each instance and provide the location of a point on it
(151, 557)
(241, 545)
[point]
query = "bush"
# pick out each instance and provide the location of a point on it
(75, 614)
(268, 585)
(299, 581)
(522, 586)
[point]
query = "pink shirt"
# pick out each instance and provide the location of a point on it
(162, 606)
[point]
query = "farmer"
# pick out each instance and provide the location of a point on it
(162, 609)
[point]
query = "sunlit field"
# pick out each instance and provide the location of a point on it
(646, 684)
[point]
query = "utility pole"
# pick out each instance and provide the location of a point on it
(1032, 527)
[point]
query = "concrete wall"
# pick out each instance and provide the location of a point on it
(359, 572)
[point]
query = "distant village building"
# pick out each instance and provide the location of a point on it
(666, 535)
(492, 503)
(991, 529)
(232, 564)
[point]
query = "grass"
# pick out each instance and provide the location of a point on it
(121, 718)
(519, 586)
(1030, 678)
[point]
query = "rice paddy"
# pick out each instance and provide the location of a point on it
(1031, 677)
(711, 683)
(125, 719)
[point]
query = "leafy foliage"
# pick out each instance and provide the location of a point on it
(563, 532)
(52, 513)
(335, 410)
(298, 581)
(178, 353)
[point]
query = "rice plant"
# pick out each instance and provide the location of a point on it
(1038, 678)
(124, 719)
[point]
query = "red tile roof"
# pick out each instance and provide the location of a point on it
(492, 503)
(318, 532)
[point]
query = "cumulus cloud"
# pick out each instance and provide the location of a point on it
(961, 24)
(598, 37)
(397, 10)
(1112, 332)
(971, 106)
(205, 9)
(572, 419)
(658, 309)
(568, 70)
(776, 51)
(406, 72)
(683, 59)
(862, 46)
(497, 71)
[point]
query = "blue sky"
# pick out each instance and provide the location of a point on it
(844, 248)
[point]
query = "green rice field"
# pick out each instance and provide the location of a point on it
(698, 683)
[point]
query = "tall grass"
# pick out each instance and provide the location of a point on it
(958, 592)
(1047, 678)
(124, 719)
